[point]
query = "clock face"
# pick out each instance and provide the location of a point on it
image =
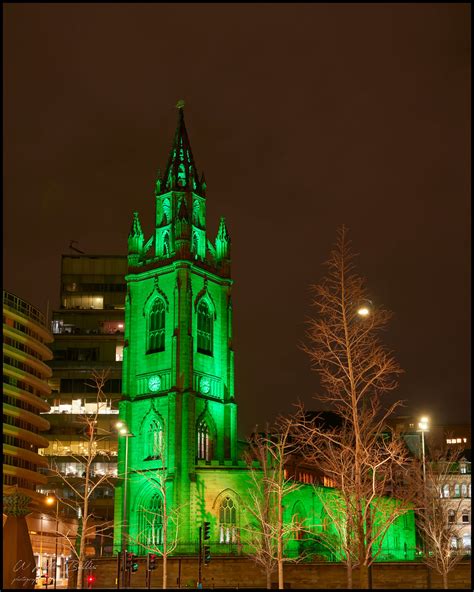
(205, 385)
(154, 383)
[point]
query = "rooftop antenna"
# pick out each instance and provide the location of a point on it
(71, 243)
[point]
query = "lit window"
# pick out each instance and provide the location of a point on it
(457, 490)
(454, 543)
(227, 521)
(446, 490)
(464, 440)
(448, 440)
(458, 440)
(153, 440)
(150, 523)
(156, 336)
(119, 353)
(204, 443)
(464, 489)
(204, 329)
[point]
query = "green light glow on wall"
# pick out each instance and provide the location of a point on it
(178, 377)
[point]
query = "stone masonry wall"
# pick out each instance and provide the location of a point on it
(243, 573)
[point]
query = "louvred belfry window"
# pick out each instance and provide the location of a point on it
(204, 329)
(156, 339)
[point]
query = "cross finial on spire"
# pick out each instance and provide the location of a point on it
(180, 104)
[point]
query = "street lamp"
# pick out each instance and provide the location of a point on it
(365, 308)
(123, 431)
(50, 501)
(423, 426)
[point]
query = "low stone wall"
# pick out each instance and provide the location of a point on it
(243, 573)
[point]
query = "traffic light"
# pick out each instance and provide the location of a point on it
(207, 554)
(151, 562)
(207, 531)
(90, 580)
(134, 563)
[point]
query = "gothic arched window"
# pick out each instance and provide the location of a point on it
(204, 329)
(156, 334)
(204, 441)
(227, 521)
(153, 440)
(150, 522)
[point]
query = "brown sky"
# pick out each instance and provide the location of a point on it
(303, 117)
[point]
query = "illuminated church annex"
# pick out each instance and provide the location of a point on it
(178, 382)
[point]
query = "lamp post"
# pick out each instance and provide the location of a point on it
(123, 431)
(50, 500)
(423, 426)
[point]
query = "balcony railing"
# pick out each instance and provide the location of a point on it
(23, 307)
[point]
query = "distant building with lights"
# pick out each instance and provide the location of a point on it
(456, 491)
(88, 329)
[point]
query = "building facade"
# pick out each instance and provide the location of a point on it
(179, 406)
(455, 491)
(88, 328)
(26, 340)
(25, 393)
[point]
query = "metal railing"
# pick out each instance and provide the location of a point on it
(23, 307)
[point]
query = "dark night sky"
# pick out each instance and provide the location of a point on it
(303, 117)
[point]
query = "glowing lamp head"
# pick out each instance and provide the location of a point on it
(50, 500)
(119, 425)
(423, 423)
(363, 311)
(123, 431)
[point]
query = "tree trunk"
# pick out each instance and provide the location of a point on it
(349, 575)
(165, 571)
(445, 581)
(364, 577)
(280, 544)
(269, 579)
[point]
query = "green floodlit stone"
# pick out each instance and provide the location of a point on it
(178, 384)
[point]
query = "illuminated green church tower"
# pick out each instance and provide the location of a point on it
(178, 401)
(178, 363)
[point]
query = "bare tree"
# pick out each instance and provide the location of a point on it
(83, 487)
(268, 532)
(159, 531)
(438, 512)
(355, 370)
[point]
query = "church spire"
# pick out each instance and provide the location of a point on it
(180, 173)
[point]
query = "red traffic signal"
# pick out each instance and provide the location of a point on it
(90, 579)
